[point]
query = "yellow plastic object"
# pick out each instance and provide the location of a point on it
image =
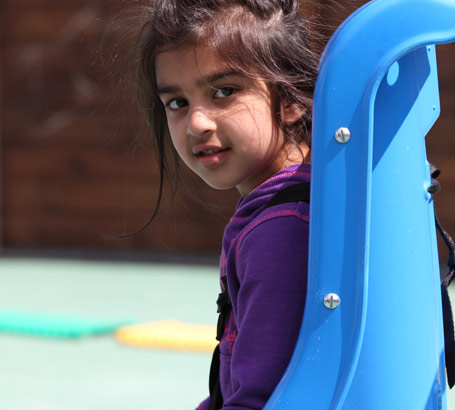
(169, 334)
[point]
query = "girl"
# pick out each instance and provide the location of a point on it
(227, 84)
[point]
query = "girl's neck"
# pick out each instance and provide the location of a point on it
(289, 155)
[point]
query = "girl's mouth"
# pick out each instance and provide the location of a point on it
(211, 157)
(210, 152)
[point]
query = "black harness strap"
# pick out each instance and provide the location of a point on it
(216, 397)
(224, 306)
(293, 193)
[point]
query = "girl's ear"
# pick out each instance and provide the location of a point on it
(291, 113)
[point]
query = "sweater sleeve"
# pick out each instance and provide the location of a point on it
(272, 273)
(204, 405)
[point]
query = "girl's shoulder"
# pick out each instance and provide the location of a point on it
(276, 239)
(277, 207)
(274, 228)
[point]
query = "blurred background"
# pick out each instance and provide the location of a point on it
(77, 170)
(76, 163)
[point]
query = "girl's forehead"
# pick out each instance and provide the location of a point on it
(198, 60)
(191, 68)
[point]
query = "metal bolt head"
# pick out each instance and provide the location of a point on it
(343, 135)
(332, 301)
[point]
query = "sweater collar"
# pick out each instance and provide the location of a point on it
(257, 199)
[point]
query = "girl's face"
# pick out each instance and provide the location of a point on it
(220, 121)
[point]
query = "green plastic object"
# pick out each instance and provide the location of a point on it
(56, 326)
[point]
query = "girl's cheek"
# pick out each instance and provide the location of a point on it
(171, 127)
(178, 143)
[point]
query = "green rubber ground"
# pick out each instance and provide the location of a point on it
(97, 372)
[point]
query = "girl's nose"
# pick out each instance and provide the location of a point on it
(200, 123)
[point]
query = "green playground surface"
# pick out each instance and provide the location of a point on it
(97, 372)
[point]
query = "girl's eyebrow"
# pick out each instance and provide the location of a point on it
(218, 76)
(210, 79)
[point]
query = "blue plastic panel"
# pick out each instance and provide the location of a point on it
(372, 236)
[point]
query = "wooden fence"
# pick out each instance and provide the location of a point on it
(76, 168)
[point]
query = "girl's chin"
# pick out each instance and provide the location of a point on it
(215, 183)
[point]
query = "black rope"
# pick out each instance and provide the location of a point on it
(449, 331)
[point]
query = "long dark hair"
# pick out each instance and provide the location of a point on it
(261, 39)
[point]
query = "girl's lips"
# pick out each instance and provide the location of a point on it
(212, 157)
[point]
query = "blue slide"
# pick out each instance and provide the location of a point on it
(372, 334)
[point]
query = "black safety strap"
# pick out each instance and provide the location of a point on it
(224, 306)
(293, 193)
(216, 398)
(449, 334)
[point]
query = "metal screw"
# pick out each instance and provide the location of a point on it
(343, 135)
(332, 301)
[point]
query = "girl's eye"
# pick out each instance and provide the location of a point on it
(177, 103)
(224, 92)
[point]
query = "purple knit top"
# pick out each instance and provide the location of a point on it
(265, 257)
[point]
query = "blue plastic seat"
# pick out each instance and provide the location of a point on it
(372, 234)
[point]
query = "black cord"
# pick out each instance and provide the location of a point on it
(449, 331)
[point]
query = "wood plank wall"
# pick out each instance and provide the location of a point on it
(75, 167)
(75, 163)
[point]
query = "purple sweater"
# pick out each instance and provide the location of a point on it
(265, 257)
